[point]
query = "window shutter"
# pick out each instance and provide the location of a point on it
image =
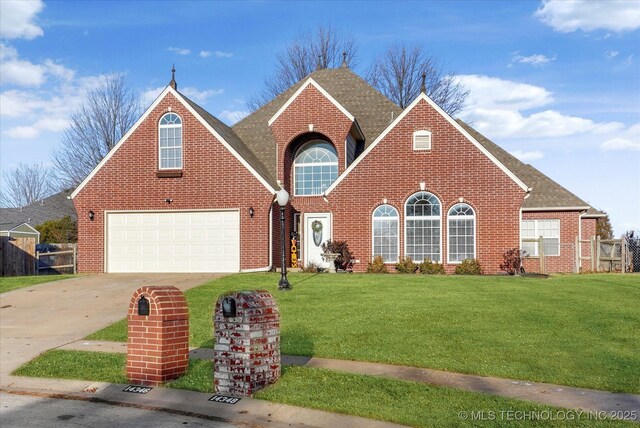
(422, 140)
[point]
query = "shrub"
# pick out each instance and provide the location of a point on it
(431, 268)
(469, 267)
(311, 268)
(59, 231)
(339, 247)
(406, 265)
(377, 266)
(511, 261)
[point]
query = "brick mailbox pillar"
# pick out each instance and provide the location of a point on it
(247, 342)
(158, 346)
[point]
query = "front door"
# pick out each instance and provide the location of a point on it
(317, 231)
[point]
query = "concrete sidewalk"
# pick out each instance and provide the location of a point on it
(543, 393)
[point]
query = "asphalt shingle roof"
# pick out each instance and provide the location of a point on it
(53, 207)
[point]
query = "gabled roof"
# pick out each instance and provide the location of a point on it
(546, 194)
(219, 130)
(53, 207)
(9, 227)
(372, 110)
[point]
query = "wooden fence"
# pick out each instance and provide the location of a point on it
(60, 258)
(18, 256)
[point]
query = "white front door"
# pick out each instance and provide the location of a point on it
(317, 231)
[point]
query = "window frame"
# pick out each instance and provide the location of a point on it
(373, 236)
(296, 165)
(537, 235)
(450, 217)
(162, 127)
(407, 218)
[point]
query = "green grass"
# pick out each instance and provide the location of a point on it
(578, 330)
(82, 365)
(15, 282)
(408, 403)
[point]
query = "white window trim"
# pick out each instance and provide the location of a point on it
(373, 219)
(422, 133)
(475, 236)
(537, 235)
(172, 125)
(432, 217)
(296, 166)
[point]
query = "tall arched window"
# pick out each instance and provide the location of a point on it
(422, 227)
(385, 233)
(315, 168)
(462, 233)
(170, 145)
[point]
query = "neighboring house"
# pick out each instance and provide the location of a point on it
(182, 191)
(53, 207)
(19, 230)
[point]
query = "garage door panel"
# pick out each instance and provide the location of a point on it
(173, 242)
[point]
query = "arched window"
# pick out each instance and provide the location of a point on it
(315, 168)
(385, 233)
(170, 142)
(462, 233)
(422, 227)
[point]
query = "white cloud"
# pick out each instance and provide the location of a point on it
(567, 16)
(22, 132)
(205, 54)
(16, 71)
(179, 51)
(495, 107)
(149, 96)
(628, 140)
(611, 54)
(221, 54)
(528, 156)
(232, 116)
(16, 19)
(535, 60)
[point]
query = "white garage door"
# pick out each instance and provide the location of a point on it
(199, 241)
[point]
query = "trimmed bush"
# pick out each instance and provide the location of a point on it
(377, 266)
(469, 267)
(431, 268)
(511, 261)
(406, 265)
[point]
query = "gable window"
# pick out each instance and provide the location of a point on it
(170, 142)
(422, 140)
(549, 230)
(385, 233)
(315, 168)
(422, 227)
(462, 233)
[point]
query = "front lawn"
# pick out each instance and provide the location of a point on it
(408, 403)
(15, 282)
(578, 330)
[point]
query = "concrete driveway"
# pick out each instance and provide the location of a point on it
(45, 316)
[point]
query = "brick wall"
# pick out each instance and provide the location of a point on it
(569, 230)
(158, 344)
(212, 178)
(452, 169)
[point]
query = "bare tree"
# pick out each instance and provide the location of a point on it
(398, 75)
(109, 111)
(26, 184)
(309, 51)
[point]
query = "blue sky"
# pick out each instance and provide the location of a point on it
(556, 83)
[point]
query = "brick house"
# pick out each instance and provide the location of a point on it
(182, 191)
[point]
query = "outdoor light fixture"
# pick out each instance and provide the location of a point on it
(92, 215)
(168, 200)
(251, 212)
(282, 196)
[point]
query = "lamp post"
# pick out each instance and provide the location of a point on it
(283, 198)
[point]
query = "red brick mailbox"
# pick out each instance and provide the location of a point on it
(247, 342)
(158, 346)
